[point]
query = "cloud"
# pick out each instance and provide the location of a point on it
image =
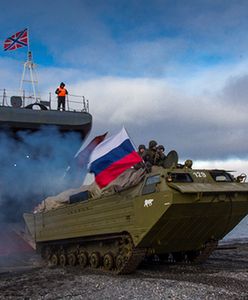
(203, 117)
(236, 166)
(144, 100)
(150, 39)
(236, 90)
(132, 38)
(168, 70)
(203, 126)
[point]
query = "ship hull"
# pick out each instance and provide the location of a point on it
(23, 119)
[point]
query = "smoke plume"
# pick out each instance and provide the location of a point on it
(32, 167)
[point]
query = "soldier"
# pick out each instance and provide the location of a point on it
(188, 164)
(149, 154)
(159, 156)
(141, 151)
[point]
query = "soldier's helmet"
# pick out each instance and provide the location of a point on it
(188, 163)
(152, 144)
(142, 147)
(160, 147)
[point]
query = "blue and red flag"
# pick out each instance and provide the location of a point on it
(17, 40)
(112, 157)
(83, 155)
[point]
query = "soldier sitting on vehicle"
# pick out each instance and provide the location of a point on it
(159, 157)
(149, 155)
(141, 151)
(188, 164)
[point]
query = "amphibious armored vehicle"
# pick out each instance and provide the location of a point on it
(176, 213)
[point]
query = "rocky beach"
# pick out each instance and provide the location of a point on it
(223, 276)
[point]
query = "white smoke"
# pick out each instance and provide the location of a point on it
(32, 167)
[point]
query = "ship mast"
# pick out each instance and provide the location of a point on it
(29, 67)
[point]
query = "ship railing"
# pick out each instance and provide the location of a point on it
(21, 99)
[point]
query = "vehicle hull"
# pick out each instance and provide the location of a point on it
(172, 223)
(180, 220)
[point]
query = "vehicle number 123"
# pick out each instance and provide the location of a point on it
(199, 174)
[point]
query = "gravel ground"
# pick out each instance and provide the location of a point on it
(223, 276)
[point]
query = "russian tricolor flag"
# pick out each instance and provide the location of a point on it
(112, 157)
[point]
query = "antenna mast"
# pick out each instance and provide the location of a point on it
(29, 66)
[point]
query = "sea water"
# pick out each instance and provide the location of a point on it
(239, 233)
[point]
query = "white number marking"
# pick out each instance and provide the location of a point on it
(199, 174)
(148, 202)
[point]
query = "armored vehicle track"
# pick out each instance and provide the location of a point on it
(115, 253)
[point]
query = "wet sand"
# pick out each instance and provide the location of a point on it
(223, 276)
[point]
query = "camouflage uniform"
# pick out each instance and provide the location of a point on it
(149, 155)
(159, 156)
(141, 151)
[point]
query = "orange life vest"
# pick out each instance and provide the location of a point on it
(61, 92)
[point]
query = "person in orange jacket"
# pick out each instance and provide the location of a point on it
(61, 91)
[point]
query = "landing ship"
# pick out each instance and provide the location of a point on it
(27, 112)
(18, 114)
(174, 212)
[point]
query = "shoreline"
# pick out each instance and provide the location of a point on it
(223, 276)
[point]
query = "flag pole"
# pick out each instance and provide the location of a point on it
(28, 39)
(134, 145)
(29, 65)
(144, 166)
